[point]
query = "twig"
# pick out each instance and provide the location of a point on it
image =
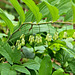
(37, 24)
(6, 2)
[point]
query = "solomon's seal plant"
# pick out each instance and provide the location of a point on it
(21, 42)
(24, 53)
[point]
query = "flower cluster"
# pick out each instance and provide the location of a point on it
(38, 38)
(21, 42)
(55, 37)
(48, 37)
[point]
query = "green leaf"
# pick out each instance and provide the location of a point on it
(5, 68)
(6, 51)
(43, 9)
(58, 72)
(6, 19)
(16, 55)
(40, 49)
(70, 51)
(73, 8)
(55, 66)
(63, 6)
(18, 9)
(68, 16)
(12, 72)
(2, 34)
(21, 69)
(34, 9)
(28, 53)
(46, 66)
(32, 65)
(62, 57)
(72, 66)
(53, 11)
(43, 28)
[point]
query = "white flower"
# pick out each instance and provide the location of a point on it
(31, 39)
(19, 46)
(65, 35)
(48, 37)
(18, 42)
(38, 38)
(22, 41)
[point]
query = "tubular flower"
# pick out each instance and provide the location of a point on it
(38, 38)
(22, 36)
(73, 35)
(22, 41)
(55, 37)
(18, 44)
(31, 39)
(65, 35)
(48, 37)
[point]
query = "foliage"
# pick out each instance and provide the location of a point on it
(39, 41)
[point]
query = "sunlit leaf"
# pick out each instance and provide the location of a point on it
(18, 9)
(34, 9)
(6, 19)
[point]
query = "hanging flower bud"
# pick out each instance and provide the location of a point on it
(38, 38)
(65, 35)
(22, 42)
(22, 36)
(22, 39)
(55, 37)
(19, 46)
(48, 37)
(73, 35)
(31, 39)
(13, 47)
(18, 42)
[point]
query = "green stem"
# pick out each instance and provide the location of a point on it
(51, 22)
